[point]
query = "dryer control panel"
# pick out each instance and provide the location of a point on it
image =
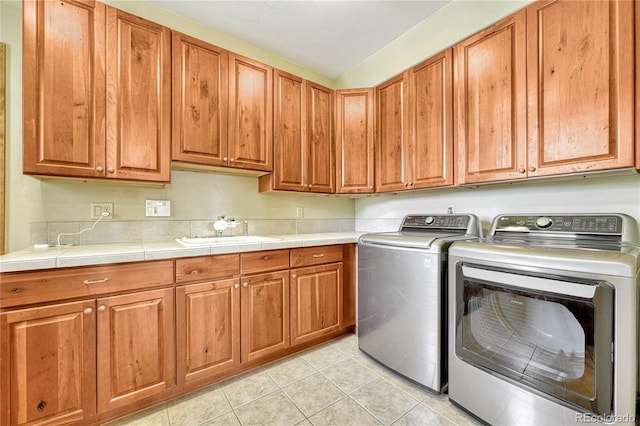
(571, 224)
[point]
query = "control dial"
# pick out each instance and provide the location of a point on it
(544, 222)
(429, 220)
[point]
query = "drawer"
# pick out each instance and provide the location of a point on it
(264, 261)
(310, 256)
(22, 288)
(207, 268)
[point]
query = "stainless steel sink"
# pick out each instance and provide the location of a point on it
(217, 241)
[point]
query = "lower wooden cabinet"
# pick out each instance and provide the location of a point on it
(136, 347)
(265, 314)
(208, 328)
(48, 364)
(316, 301)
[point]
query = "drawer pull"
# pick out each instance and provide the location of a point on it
(318, 255)
(195, 272)
(88, 311)
(265, 257)
(16, 290)
(103, 280)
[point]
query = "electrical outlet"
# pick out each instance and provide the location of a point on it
(98, 208)
(451, 208)
(299, 212)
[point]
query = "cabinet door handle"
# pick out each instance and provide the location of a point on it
(99, 169)
(110, 170)
(532, 169)
(88, 311)
(103, 280)
(521, 170)
(236, 286)
(102, 308)
(245, 284)
(318, 255)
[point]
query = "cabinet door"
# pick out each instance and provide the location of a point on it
(316, 301)
(48, 364)
(200, 97)
(432, 118)
(580, 78)
(354, 141)
(490, 103)
(250, 114)
(63, 76)
(392, 168)
(290, 155)
(136, 356)
(138, 98)
(208, 328)
(319, 139)
(265, 314)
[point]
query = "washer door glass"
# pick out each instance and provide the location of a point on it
(550, 334)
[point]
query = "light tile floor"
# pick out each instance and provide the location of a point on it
(333, 384)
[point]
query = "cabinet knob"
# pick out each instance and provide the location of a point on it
(406, 184)
(265, 257)
(232, 159)
(532, 168)
(245, 284)
(224, 158)
(371, 187)
(102, 308)
(41, 405)
(293, 276)
(521, 170)
(195, 272)
(110, 169)
(236, 286)
(88, 311)
(99, 169)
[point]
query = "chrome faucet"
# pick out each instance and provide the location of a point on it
(223, 223)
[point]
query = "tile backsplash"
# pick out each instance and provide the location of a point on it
(133, 231)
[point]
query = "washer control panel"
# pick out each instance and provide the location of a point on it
(575, 224)
(449, 221)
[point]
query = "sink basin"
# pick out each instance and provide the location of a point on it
(218, 241)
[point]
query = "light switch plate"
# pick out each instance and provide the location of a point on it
(158, 208)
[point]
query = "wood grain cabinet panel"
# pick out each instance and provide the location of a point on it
(432, 122)
(316, 301)
(490, 85)
(393, 136)
(208, 329)
(136, 347)
(64, 88)
(303, 129)
(355, 141)
(200, 101)
(48, 364)
(580, 86)
(265, 314)
(250, 114)
(138, 98)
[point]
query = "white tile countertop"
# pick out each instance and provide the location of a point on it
(97, 254)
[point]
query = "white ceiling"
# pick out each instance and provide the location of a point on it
(328, 37)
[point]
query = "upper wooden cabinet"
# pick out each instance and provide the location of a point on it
(64, 87)
(354, 141)
(303, 144)
(200, 100)
(138, 98)
(96, 94)
(250, 126)
(547, 91)
(431, 154)
(580, 75)
(490, 102)
(393, 139)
